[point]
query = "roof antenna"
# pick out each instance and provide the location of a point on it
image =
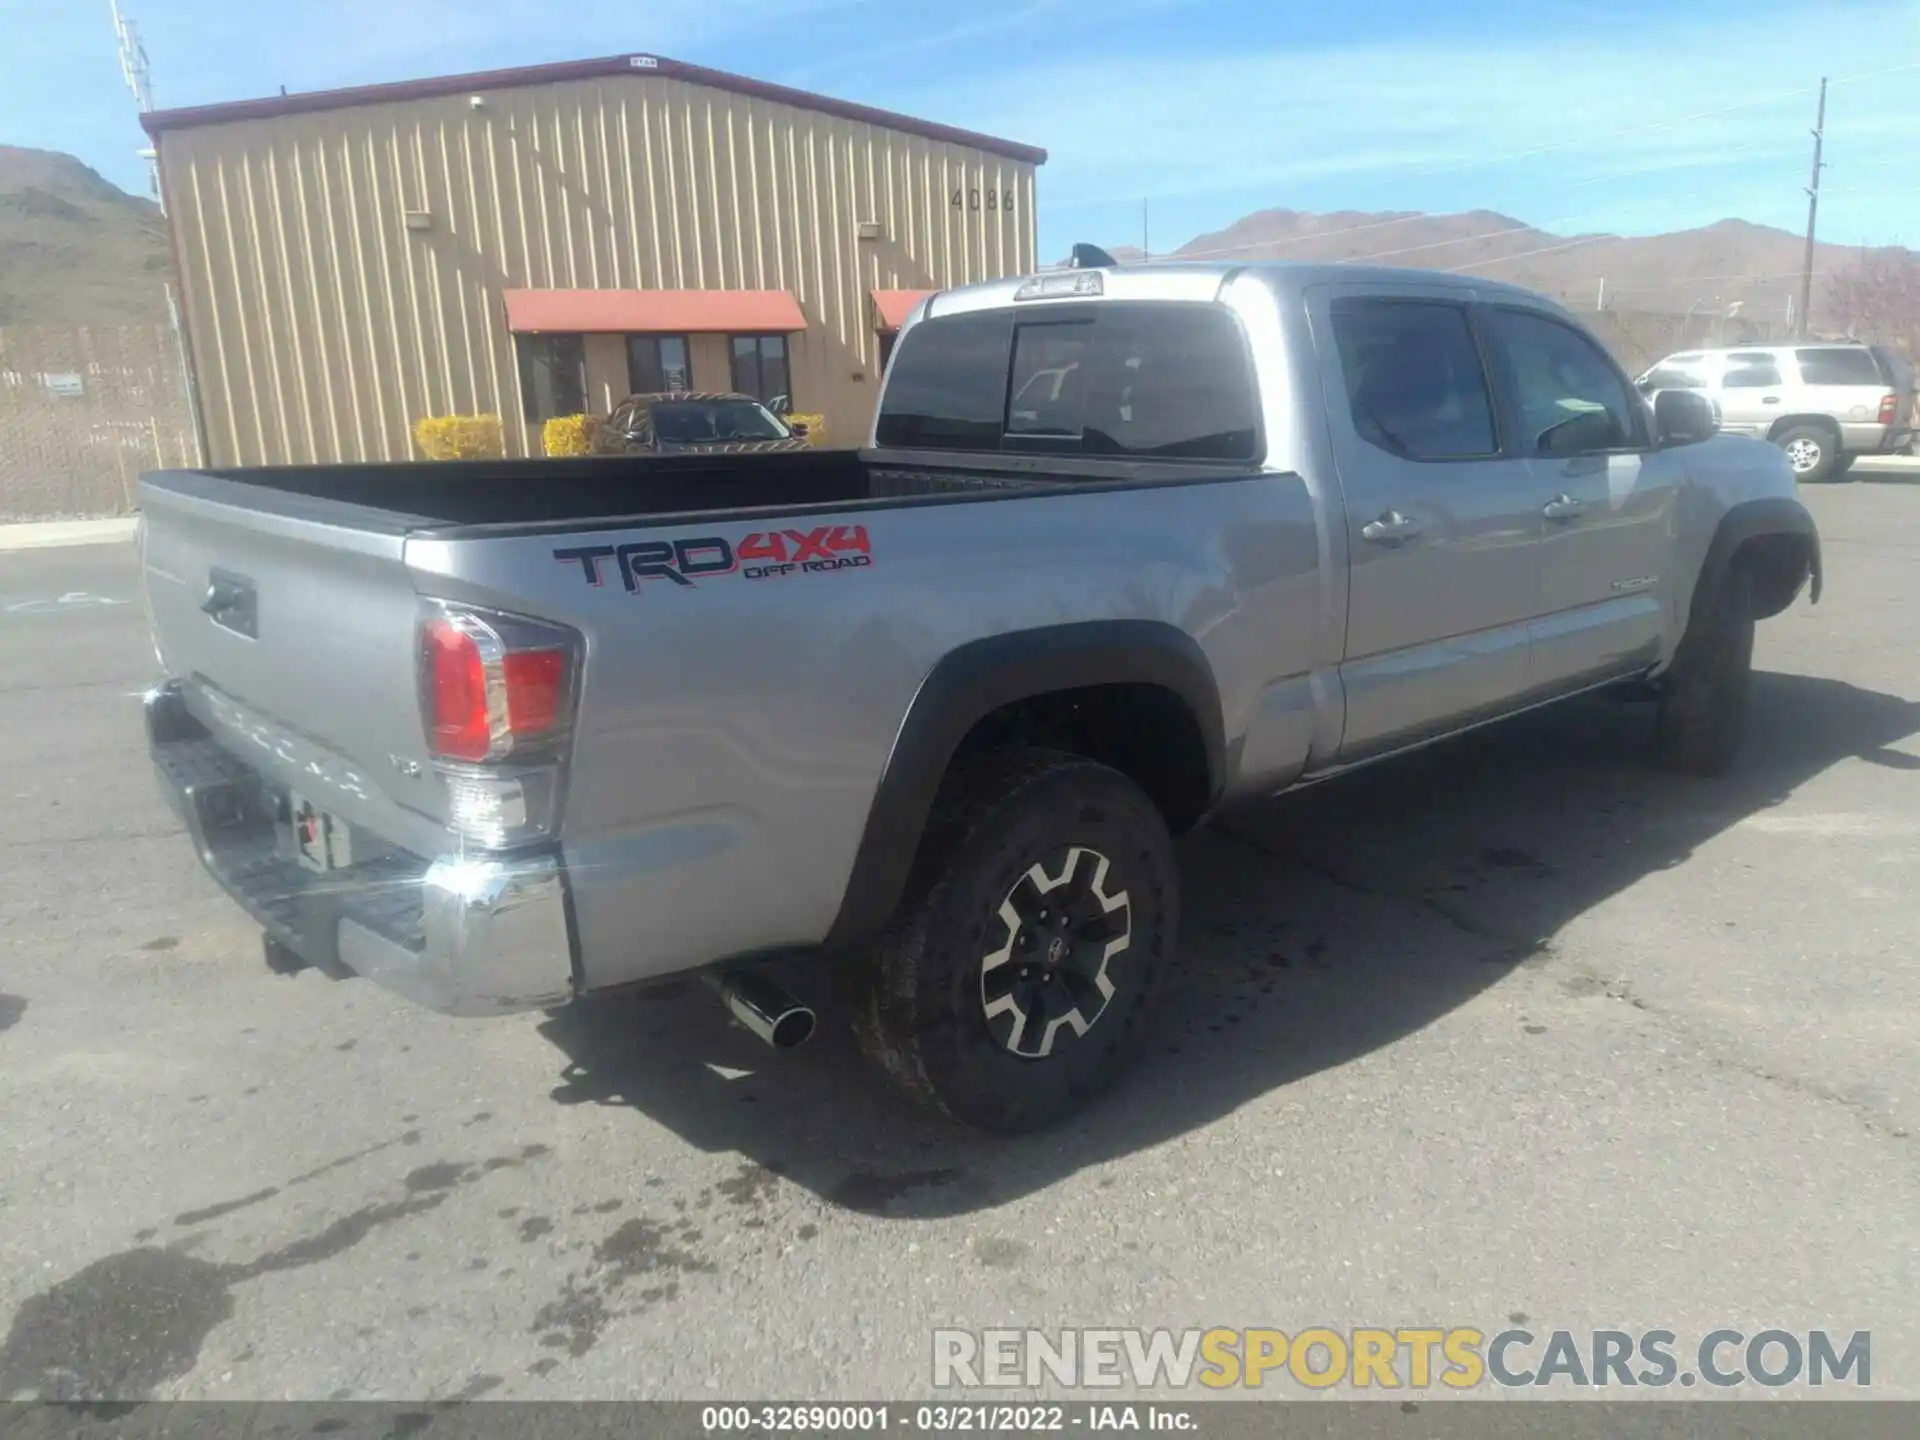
(1088, 257)
(134, 68)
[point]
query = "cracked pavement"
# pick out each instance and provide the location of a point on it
(1516, 1027)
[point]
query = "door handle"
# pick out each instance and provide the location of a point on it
(1769, 399)
(231, 603)
(223, 597)
(1563, 507)
(1390, 527)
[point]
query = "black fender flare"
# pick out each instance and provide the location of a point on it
(969, 683)
(1771, 515)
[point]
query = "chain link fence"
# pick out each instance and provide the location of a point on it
(83, 411)
(1638, 338)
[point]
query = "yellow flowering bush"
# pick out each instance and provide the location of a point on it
(816, 427)
(568, 435)
(460, 437)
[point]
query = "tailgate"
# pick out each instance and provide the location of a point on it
(295, 635)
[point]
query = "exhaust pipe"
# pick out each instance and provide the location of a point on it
(763, 1007)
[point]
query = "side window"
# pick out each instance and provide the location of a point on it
(1415, 384)
(1671, 376)
(1568, 398)
(1838, 367)
(1750, 372)
(947, 384)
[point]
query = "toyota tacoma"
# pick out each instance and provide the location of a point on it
(1129, 545)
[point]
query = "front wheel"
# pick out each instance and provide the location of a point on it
(1703, 700)
(1017, 981)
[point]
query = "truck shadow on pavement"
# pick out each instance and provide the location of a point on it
(1318, 927)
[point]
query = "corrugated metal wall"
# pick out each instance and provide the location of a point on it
(323, 326)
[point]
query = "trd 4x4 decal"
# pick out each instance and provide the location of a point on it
(762, 555)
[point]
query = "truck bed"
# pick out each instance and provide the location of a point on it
(447, 498)
(286, 605)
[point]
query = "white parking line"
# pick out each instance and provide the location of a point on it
(72, 600)
(43, 534)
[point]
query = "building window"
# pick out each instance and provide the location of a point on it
(888, 339)
(657, 364)
(553, 376)
(760, 368)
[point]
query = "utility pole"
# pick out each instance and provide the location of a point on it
(1600, 300)
(137, 71)
(138, 74)
(1813, 211)
(1146, 250)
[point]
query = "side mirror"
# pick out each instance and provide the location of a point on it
(1683, 417)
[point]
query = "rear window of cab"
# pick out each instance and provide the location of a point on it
(1137, 380)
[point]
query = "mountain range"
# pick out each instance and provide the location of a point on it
(1730, 267)
(76, 250)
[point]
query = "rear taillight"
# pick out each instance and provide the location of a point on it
(493, 686)
(1889, 407)
(496, 695)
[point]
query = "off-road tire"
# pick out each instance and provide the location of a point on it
(1841, 465)
(918, 996)
(1703, 699)
(1795, 442)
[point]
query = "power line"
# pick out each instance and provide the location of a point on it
(1522, 255)
(1214, 251)
(1440, 244)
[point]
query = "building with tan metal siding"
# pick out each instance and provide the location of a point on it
(534, 241)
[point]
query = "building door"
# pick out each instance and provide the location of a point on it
(1443, 527)
(657, 364)
(553, 376)
(760, 369)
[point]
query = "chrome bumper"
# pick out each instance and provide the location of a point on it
(461, 934)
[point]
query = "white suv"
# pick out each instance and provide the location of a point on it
(1822, 404)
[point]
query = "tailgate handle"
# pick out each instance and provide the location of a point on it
(232, 604)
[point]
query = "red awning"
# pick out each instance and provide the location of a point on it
(659, 312)
(891, 307)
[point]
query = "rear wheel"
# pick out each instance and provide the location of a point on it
(1703, 700)
(1812, 450)
(1017, 980)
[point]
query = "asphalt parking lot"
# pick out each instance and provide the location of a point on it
(1515, 1032)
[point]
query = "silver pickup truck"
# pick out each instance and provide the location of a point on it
(1130, 545)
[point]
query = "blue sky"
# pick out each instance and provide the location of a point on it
(1632, 117)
